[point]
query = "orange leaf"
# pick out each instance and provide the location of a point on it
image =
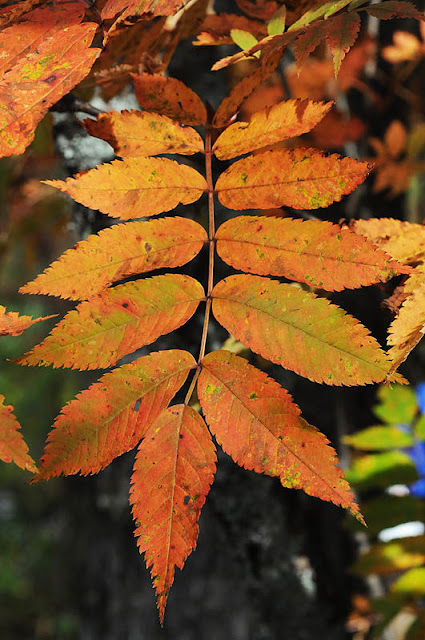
(135, 133)
(127, 8)
(11, 13)
(169, 97)
(117, 322)
(172, 475)
(138, 247)
(298, 330)
(298, 178)
(12, 444)
(244, 88)
(13, 324)
(318, 253)
(257, 423)
(215, 29)
(110, 417)
(284, 120)
(135, 187)
(35, 27)
(403, 241)
(39, 80)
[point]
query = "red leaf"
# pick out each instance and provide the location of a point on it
(110, 417)
(12, 444)
(172, 475)
(259, 426)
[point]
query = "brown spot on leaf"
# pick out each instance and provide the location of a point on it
(50, 79)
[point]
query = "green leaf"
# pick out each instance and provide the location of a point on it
(379, 437)
(397, 404)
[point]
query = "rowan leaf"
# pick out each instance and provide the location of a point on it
(411, 583)
(9, 14)
(298, 330)
(113, 414)
(257, 423)
(135, 133)
(135, 187)
(117, 322)
(39, 80)
(172, 475)
(169, 97)
(35, 27)
(318, 253)
(286, 119)
(244, 88)
(128, 8)
(298, 178)
(139, 247)
(394, 9)
(325, 9)
(404, 241)
(215, 29)
(13, 324)
(12, 444)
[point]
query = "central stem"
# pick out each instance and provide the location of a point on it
(211, 243)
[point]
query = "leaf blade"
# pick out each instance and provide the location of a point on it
(12, 444)
(257, 423)
(286, 119)
(135, 133)
(13, 324)
(286, 325)
(315, 252)
(101, 423)
(298, 178)
(135, 187)
(177, 458)
(139, 247)
(117, 322)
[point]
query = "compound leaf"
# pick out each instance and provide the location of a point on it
(110, 417)
(117, 322)
(298, 330)
(287, 119)
(138, 247)
(12, 444)
(257, 423)
(135, 133)
(298, 178)
(135, 187)
(318, 253)
(172, 475)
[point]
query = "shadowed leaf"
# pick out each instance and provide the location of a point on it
(12, 444)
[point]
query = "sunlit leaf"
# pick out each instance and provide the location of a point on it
(379, 437)
(258, 424)
(397, 404)
(13, 324)
(298, 178)
(12, 444)
(318, 253)
(110, 417)
(135, 187)
(381, 470)
(298, 330)
(172, 475)
(138, 247)
(117, 322)
(410, 583)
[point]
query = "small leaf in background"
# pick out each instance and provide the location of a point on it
(117, 322)
(172, 475)
(276, 24)
(391, 557)
(410, 583)
(110, 417)
(244, 40)
(135, 187)
(394, 9)
(379, 437)
(381, 470)
(12, 445)
(139, 247)
(397, 404)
